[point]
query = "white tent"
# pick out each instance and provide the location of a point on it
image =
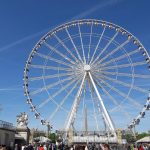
(144, 140)
(42, 139)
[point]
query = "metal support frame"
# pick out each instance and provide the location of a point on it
(75, 105)
(105, 114)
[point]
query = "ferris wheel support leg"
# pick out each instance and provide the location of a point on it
(75, 105)
(106, 115)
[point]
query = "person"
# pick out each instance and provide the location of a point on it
(97, 147)
(105, 147)
(141, 147)
(16, 146)
(135, 148)
(3, 147)
(30, 147)
(129, 147)
(41, 147)
(145, 147)
(22, 147)
(45, 148)
(86, 148)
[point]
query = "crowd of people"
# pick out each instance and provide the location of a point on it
(90, 146)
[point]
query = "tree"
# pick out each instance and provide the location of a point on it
(149, 132)
(141, 135)
(53, 137)
(130, 138)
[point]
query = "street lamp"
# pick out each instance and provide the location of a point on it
(49, 127)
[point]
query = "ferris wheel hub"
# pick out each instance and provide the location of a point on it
(87, 67)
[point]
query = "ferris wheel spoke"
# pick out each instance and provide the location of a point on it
(63, 100)
(135, 104)
(77, 52)
(118, 105)
(65, 87)
(81, 44)
(50, 76)
(101, 36)
(52, 59)
(121, 108)
(50, 86)
(50, 67)
(105, 48)
(57, 104)
(90, 42)
(59, 53)
(115, 102)
(66, 48)
(126, 74)
(124, 65)
(125, 84)
(111, 53)
(56, 93)
(120, 57)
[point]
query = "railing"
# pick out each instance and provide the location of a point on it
(90, 137)
(85, 133)
(6, 125)
(93, 139)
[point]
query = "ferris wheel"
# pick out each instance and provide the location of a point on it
(88, 75)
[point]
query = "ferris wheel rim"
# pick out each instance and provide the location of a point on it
(65, 26)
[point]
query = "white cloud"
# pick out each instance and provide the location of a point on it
(80, 16)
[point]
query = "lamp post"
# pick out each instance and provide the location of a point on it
(49, 127)
(149, 134)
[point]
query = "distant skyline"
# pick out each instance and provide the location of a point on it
(23, 23)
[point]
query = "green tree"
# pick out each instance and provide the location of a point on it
(53, 137)
(141, 135)
(149, 132)
(129, 137)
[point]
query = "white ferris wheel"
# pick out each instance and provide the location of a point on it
(89, 75)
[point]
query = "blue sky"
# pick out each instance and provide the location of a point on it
(24, 22)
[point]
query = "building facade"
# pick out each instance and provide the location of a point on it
(7, 133)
